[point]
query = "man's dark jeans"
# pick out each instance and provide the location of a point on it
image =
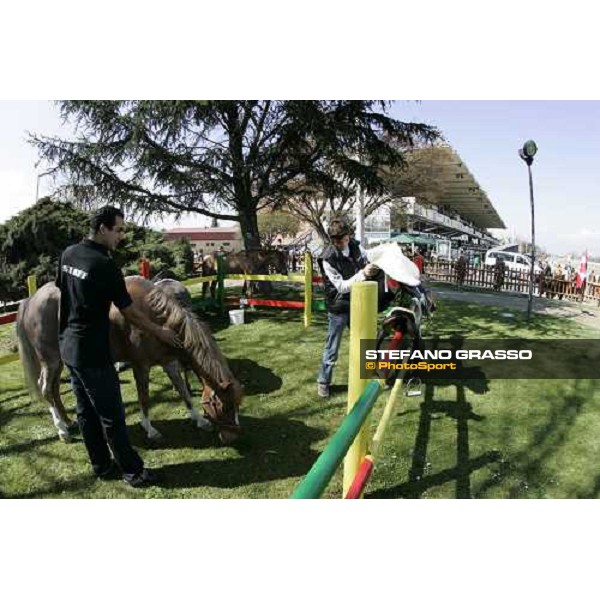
(336, 323)
(101, 418)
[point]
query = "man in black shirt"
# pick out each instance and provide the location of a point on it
(89, 282)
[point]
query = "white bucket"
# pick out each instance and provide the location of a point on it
(236, 317)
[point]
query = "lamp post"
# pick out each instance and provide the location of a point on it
(39, 176)
(37, 187)
(527, 152)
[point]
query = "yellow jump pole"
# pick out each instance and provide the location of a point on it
(31, 285)
(388, 411)
(308, 275)
(363, 325)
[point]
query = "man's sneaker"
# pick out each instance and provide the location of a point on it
(142, 479)
(323, 390)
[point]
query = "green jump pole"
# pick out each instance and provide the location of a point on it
(316, 480)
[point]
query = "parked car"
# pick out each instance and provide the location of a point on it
(512, 260)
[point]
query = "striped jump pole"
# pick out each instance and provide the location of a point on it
(363, 325)
(316, 480)
(367, 465)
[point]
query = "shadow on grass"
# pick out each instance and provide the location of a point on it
(255, 378)
(269, 449)
(526, 468)
(521, 473)
(461, 412)
(75, 486)
(20, 447)
(21, 394)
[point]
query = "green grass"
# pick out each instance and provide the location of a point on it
(496, 439)
(8, 339)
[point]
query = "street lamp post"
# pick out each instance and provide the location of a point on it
(527, 152)
(37, 187)
(37, 184)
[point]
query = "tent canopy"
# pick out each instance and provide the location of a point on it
(412, 238)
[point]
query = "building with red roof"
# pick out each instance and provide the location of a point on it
(209, 239)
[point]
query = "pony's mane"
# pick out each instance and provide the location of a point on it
(195, 335)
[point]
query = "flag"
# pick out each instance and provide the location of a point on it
(582, 274)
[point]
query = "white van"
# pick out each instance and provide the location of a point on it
(512, 260)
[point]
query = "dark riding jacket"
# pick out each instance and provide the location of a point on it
(347, 267)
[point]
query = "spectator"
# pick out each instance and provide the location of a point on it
(461, 270)
(343, 263)
(499, 273)
(419, 260)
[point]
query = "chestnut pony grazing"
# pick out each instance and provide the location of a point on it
(37, 334)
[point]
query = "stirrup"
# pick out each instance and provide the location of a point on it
(414, 387)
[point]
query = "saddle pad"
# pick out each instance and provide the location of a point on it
(391, 260)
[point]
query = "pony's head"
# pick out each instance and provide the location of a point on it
(221, 407)
(222, 393)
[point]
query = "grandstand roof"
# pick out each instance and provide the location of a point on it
(459, 191)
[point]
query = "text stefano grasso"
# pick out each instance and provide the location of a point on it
(448, 354)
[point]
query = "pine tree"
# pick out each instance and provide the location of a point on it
(225, 159)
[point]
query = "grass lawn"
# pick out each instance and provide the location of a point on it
(8, 339)
(500, 439)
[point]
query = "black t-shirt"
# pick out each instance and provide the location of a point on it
(89, 281)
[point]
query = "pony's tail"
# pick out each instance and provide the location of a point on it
(29, 360)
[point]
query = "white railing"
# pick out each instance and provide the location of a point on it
(433, 215)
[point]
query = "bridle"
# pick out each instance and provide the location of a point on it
(209, 405)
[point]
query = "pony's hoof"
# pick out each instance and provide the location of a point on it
(73, 427)
(155, 436)
(65, 437)
(204, 424)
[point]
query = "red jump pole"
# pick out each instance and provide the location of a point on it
(274, 303)
(8, 318)
(356, 489)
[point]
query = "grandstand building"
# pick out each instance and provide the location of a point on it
(459, 217)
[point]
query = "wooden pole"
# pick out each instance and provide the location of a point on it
(308, 276)
(31, 285)
(221, 282)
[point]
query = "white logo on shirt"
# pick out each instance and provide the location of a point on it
(75, 272)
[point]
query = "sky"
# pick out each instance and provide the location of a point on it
(486, 134)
